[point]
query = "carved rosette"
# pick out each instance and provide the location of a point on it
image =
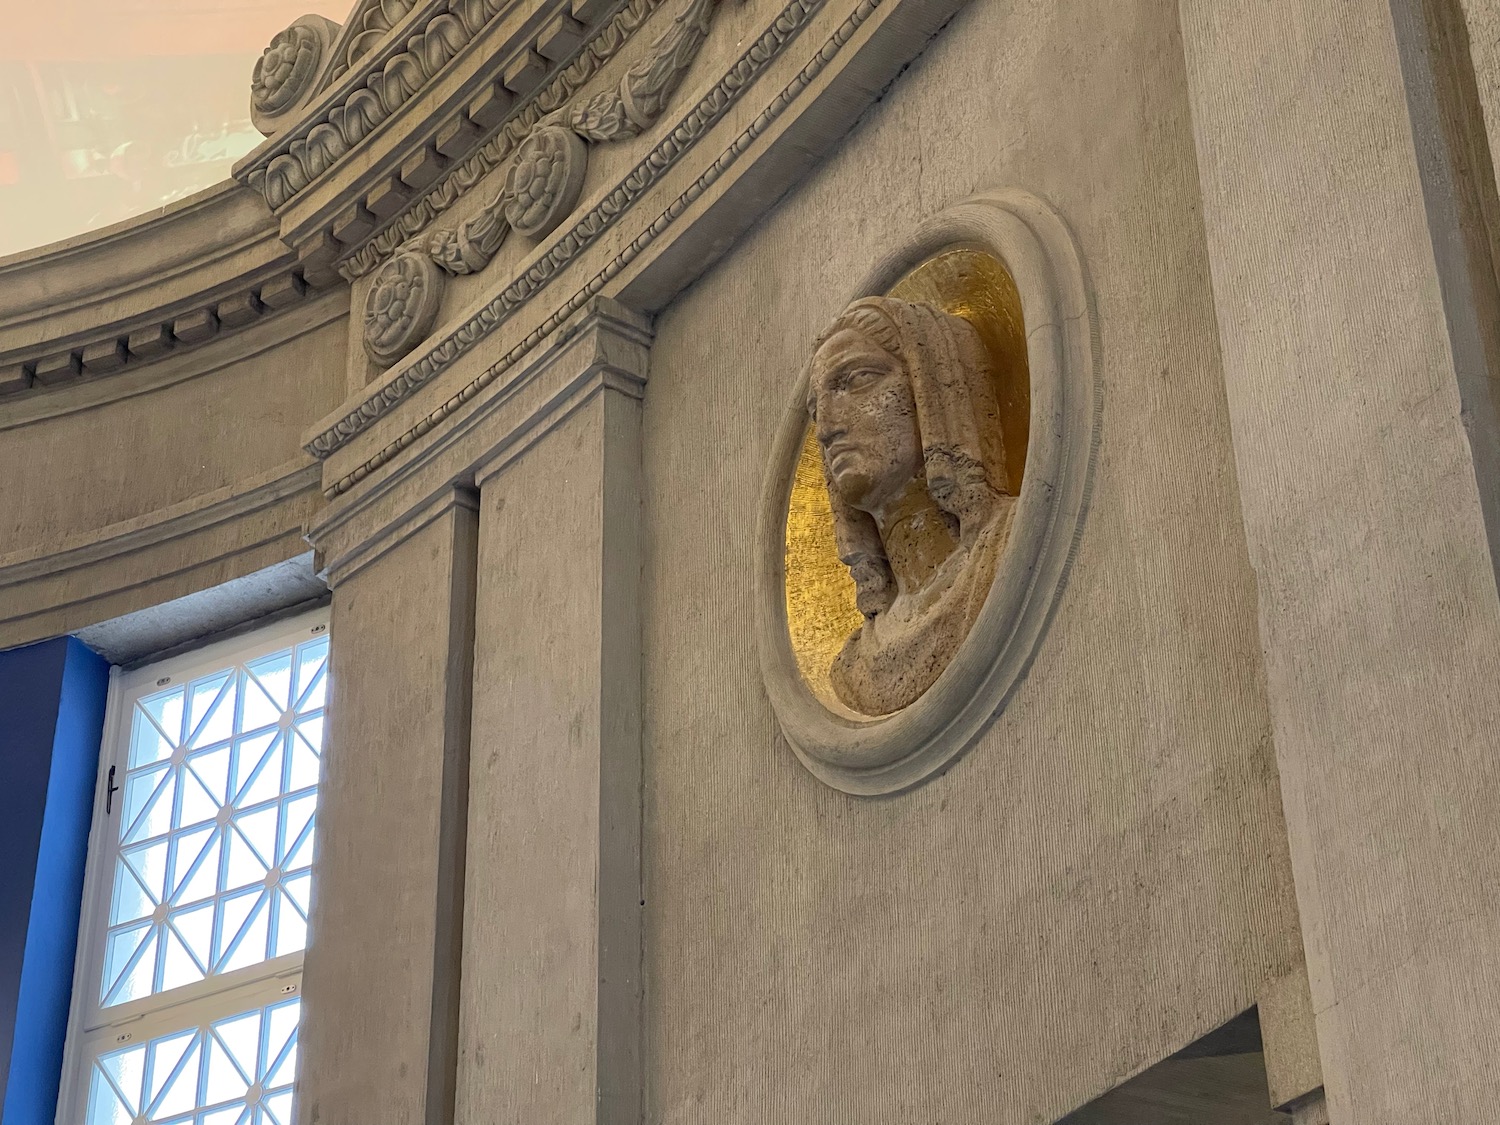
(401, 306)
(544, 180)
(285, 69)
(286, 73)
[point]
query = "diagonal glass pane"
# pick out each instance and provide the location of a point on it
(165, 709)
(283, 1067)
(296, 825)
(281, 1043)
(195, 927)
(312, 674)
(274, 674)
(197, 803)
(252, 756)
(249, 947)
(211, 709)
(234, 913)
(264, 784)
(124, 1072)
(299, 888)
(291, 926)
(122, 948)
(211, 769)
(147, 809)
(172, 1085)
(187, 851)
(259, 830)
(196, 876)
(137, 976)
(105, 1104)
(236, 1114)
(244, 865)
(240, 1036)
(303, 765)
(149, 862)
(177, 964)
(257, 708)
(310, 727)
(225, 1082)
(148, 742)
(131, 899)
(278, 1108)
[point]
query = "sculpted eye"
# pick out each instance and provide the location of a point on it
(861, 379)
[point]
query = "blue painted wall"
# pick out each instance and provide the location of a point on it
(51, 721)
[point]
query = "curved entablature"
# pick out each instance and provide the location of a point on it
(155, 378)
(142, 290)
(371, 121)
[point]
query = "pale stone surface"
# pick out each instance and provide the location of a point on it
(550, 1025)
(248, 602)
(1114, 844)
(381, 972)
(1106, 876)
(1358, 392)
(1289, 1029)
(240, 416)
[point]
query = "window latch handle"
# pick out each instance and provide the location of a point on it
(109, 793)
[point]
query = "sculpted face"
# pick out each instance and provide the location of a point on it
(865, 418)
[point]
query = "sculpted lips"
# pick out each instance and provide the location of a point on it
(838, 453)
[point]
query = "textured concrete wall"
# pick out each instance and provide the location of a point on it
(81, 469)
(1354, 316)
(550, 1021)
(381, 972)
(1104, 876)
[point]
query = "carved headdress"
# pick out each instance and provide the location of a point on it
(957, 421)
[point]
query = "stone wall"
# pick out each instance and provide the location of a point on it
(1104, 876)
(621, 896)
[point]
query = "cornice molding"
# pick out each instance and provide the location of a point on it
(503, 49)
(220, 506)
(543, 181)
(369, 24)
(582, 233)
(425, 207)
(142, 291)
(606, 348)
(178, 365)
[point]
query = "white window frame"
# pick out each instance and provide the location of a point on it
(92, 1029)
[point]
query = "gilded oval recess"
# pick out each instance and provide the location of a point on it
(995, 283)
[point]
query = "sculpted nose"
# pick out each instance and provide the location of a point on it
(829, 431)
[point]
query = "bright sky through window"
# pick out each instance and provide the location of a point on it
(187, 999)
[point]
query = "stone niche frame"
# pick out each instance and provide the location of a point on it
(879, 756)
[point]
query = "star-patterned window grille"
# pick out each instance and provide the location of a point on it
(203, 893)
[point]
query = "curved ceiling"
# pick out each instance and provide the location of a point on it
(114, 108)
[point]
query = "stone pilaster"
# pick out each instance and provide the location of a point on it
(381, 978)
(550, 1026)
(1355, 298)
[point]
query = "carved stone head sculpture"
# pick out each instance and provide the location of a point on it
(903, 407)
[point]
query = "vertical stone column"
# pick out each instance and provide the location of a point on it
(1356, 302)
(380, 1013)
(552, 943)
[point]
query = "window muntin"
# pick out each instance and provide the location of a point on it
(199, 886)
(217, 815)
(230, 1071)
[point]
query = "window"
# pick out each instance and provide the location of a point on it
(186, 990)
